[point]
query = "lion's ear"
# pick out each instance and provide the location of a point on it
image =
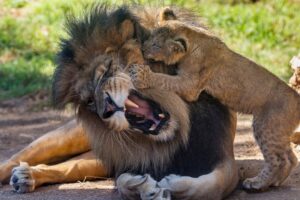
(127, 29)
(167, 14)
(178, 45)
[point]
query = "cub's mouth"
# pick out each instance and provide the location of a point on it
(141, 113)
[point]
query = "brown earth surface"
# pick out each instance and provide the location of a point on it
(25, 119)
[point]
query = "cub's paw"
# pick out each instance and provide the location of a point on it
(272, 176)
(255, 184)
(21, 179)
(132, 45)
(140, 75)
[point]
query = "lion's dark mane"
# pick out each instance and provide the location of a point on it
(84, 42)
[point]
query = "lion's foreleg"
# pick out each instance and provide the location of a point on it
(213, 186)
(142, 187)
(84, 167)
(55, 145)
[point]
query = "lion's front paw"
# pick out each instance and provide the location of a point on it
(175, 183)
(181, 187)
(157, 194)
(128, 184)
(21, 179)
(140, 75)
(143, 187)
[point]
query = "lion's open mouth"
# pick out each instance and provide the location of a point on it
(141, 113)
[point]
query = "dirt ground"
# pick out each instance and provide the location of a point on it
(25, 119)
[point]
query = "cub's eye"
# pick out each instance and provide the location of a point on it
(182, 42)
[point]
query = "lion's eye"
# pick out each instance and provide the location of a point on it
(91, 105)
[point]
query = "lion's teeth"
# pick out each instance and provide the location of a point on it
(139, 115)
(153, 127)
(162, 116)
(130, 103)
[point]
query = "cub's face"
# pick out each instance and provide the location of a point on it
(166, 46)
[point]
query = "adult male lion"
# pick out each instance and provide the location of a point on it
(132, 131)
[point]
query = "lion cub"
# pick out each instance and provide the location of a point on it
(205, 63)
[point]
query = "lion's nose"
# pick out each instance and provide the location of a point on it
(110, 107)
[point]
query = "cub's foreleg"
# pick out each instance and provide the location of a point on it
(26, 178)
(186, 85)
(58, 144)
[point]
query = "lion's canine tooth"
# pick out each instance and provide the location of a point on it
(161, 115)
(153, 127)
(130, 103)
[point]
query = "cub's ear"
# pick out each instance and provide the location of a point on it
(127, 30)
(167, 14)
(178, 45)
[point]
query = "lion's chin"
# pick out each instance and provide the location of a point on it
(117, 122)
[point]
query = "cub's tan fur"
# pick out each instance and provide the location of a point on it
(205, 63)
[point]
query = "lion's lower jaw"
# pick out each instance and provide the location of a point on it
(166, 134)
(117, 122)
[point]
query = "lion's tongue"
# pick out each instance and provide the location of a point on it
(141, 107)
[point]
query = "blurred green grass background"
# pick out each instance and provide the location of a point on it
(267, 31)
